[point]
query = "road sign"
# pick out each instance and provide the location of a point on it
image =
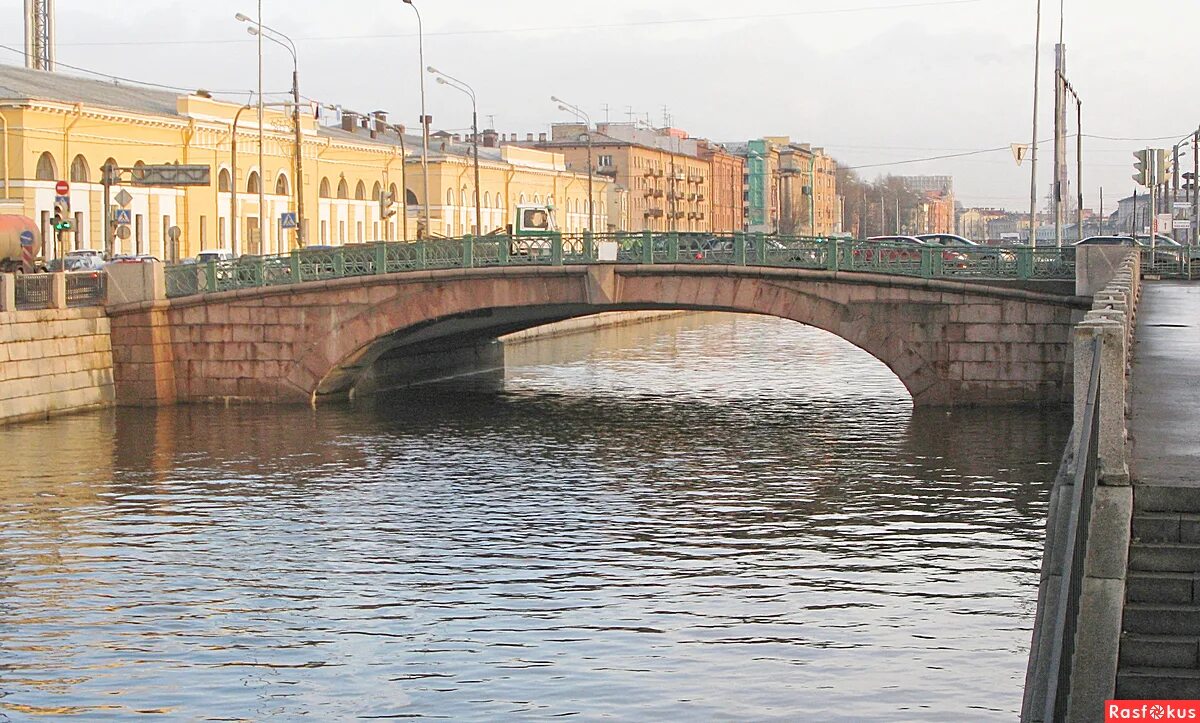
(27, 238)
(123, 198)
(1181, 223)
(62, 205)
(123, 232)
(287, 219)
(173, 233)
(1163, 222)
(171, 174)
(62, 188)
(123, 216)
(1020, 151)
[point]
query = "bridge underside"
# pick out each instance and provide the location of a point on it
(950, 343)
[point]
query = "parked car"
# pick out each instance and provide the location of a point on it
(1106, 241)
(84, 260)
(214, 255)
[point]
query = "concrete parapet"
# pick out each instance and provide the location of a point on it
(58, 290)
(134, 283)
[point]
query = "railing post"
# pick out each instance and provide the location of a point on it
(1024, 263)
(832, 250)
(1114, 468)
(647, 247)
(556, 249)
(422, 254)
(294, 267)
(759, 248)
(739, 249)
(588, 244)
(673, 247)
(339, 262)
(8, 292)
(381, 258)
(927, 262)
(504, 244)
(468, 251)
(210, 276)
(58, 290)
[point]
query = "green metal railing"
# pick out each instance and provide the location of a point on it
(739, 249)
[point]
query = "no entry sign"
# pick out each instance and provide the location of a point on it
(62, 188)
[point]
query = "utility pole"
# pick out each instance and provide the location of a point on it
(1196, 187)
(1060, 146)
(1033, 150)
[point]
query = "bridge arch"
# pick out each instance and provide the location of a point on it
(948, 342)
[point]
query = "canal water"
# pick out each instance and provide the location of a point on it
(707, 517)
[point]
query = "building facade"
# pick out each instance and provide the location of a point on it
(61, 128)
(726, 196)
(666, 180)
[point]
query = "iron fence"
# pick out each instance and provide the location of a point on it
(86, 288)
(555, 249)
(33, 291)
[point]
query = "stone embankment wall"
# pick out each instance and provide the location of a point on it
(1115, 278)
(52, 361)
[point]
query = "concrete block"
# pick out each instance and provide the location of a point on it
(1156, 527)
(1160, 587)
(1097, 645)
(1159, 651)
(1108, 533)
(8, 294)
(1189, 529)
(1158, 684)
(133, 283)
(1149, 497)
(1164, 557)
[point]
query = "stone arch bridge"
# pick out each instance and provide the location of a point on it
(950, 342)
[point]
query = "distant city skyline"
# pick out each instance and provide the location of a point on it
(874, 82)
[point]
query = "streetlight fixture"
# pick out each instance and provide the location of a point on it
(579, 114)
(424, 118)
(282, 40)
(262, 201)
(462, 87)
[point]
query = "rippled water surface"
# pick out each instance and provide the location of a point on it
(710, 517)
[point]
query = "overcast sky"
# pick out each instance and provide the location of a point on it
(873, 81)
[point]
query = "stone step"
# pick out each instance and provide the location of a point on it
(1158, 684)
(1160, 651)
(1161, 619)
(1164, 557)
(1166, 527)
(1161, 587)
(1160, 498)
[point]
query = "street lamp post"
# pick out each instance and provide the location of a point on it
(233, 208)
(286, 43)
(424, 118)
(579, 114)
(1033, 150)
(462, 87)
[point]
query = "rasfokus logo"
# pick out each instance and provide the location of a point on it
(1151, 710)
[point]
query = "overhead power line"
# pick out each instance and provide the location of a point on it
(559, 28)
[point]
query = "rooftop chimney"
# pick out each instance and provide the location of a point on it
(381, 123)
(490, 139)
(541, 137)
(349, 120)
(529, 138)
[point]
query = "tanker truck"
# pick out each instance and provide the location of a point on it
(16, 234)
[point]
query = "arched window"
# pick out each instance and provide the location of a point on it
(521, 199)
(550, 200)
(224, 181)
(377, 191)
(449, 197)
(79, 170)
(360, 192)
(499, 201)
(343, 189)
(323, 189)
(252, 184)
(138, 173)
(410, 198)
(47, 170)
(537, 198)
(487, 200)
(462, 195)
(111, 163)
(281, 185)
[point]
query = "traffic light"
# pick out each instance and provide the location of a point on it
(62, 223)
(387, 202)
(1144, 168)
(1162, 165)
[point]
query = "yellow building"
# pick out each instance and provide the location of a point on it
(56, 127)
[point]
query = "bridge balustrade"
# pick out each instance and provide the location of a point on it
(739, 249)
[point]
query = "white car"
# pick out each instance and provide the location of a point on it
(213, 255)
(84, 260)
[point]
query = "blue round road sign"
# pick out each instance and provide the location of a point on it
(26, 238)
